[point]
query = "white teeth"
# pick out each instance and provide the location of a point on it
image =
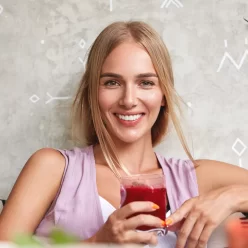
(129, 117)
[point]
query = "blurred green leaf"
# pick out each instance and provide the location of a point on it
(25, 239)
(58, 236)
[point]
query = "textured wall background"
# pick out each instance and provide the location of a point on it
(42, 48)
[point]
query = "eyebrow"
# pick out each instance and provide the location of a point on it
(142, 75)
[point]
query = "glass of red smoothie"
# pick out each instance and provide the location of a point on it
(146, 187)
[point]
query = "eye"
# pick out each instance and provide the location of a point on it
(111, 83)
(147, 83)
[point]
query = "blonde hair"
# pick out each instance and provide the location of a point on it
(87, 122)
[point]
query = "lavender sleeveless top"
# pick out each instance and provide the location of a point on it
(76, 207)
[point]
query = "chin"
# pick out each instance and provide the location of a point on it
(129, 136)
(128, 139)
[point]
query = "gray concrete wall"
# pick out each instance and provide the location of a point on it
(42, 47)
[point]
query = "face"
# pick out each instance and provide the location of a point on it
(130, 96)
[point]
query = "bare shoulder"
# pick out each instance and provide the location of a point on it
(44, 159)
(33, 193)
(212, 174)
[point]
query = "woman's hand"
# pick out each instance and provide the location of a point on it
(197, 218)
(119, 228)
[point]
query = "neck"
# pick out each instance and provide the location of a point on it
(137, 157)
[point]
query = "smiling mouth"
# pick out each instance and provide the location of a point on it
(129, 117)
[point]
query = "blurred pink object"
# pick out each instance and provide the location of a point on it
(237, 233)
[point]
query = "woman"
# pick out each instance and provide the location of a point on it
(123, 106)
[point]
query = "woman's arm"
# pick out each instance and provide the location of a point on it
(213, 174)
(32, 194)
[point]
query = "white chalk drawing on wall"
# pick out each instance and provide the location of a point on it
(82, 43)
(82, 62)
(34, 98)
(42, 42)
(1, 9)
(228, 56)
(111, 5)
(167, 3)
(239, 150)
(56, 98)
(190, 110)
(80, 59)
(240, 163)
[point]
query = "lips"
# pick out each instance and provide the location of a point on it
(129, 120)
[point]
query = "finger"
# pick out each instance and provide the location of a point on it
(177, 226)
(141, 238)
(180, 213)
(135, 207)
(195, 234)
(186, 229)
(205, 235)
(143, 220)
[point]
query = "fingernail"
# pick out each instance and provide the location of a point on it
(163, 224)
(168, 222)
(155, 206)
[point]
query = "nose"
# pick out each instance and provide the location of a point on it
(129, 98)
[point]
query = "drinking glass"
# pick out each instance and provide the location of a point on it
(146, 187)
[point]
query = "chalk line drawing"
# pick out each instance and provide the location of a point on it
(244, 147)
(82, 62)
(225, 43)
(111, 5)
(239, 151)
(42, 42)
(190, 110)
(167, 3)
(189, 104)
(80, 59)
(56, 98)
(82, 43)
(1, 9)
(240, 163)
(228, 56)
(34, 98)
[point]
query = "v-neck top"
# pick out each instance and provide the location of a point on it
(77, 209)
